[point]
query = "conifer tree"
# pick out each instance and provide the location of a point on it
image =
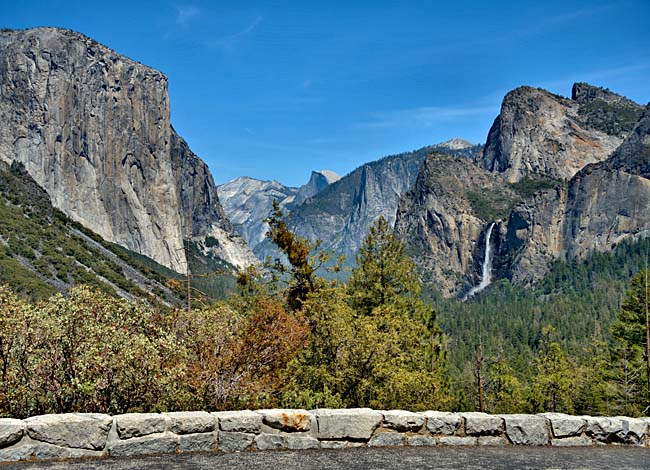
(632, 331)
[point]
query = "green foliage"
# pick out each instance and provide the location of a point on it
(632, 333)
(94, 353)
(383, 272)
(614, 118)
(491, 205)
(370, 349)
(553, 383)
(529, 186)
(297, 250)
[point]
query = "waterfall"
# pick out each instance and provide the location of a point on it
(486, 275)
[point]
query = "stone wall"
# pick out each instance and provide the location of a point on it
(82, 435)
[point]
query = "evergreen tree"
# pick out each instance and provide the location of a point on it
(632, 331)
(298, 252)
(553, 384)
(375, 343)
(383, 273)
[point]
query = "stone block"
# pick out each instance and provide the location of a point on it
(575, 441)
(245, 421)
(42, 451)
(564, 425)
(617, 430)
(11, 431)
(298, 442)
(287, 420)
(358, 423)
(78, 430)
(457, 441)
(482, 424)
(235, 441)
(333, 444)
(200, 442)
(386, 439)
(270, 442)
(439, 422)
(527, 430)
(139, 424)
(191, 422)
(493, 441)
(419, 440)
(403, 420)
(150, 444)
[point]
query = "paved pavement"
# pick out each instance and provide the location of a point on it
(473, 458)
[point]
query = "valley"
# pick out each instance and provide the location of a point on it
(440, 273)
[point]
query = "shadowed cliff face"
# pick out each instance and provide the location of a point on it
(92, 128)
(539, 133)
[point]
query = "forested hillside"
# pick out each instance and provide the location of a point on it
(578, 300)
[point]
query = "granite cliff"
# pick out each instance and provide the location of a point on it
(93, 129)
(602, 205)
(561, 178)
(538, 133)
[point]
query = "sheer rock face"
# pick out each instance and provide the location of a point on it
(318, 181)
(92, 128)
(539, 133)
(341, 215)
(443, 230)
(444, 219)
(602, 205)
(200, 208)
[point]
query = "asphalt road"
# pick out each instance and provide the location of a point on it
(470, 458)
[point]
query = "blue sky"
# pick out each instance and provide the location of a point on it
(275, 89)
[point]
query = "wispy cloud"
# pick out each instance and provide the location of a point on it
(185, 14)
(423, 116)
(228, 42)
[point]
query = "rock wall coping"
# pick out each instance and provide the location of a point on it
(83, 435)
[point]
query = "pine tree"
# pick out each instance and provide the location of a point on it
(632, 331)
(553, 382)
(383, 273)
(299, 254)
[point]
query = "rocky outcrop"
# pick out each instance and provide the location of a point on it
(318, 181)
(601, 109)
(538, 133)
(92, 128)
(444, 218)
(248, 202)
(602, 205)
(202, 215)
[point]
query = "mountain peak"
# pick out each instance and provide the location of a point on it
(319, 180)
(330, 176)
(585, 93)
(455, 144)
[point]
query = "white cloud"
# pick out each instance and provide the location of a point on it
(185, 14)
(231, 40)
(423, 116)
